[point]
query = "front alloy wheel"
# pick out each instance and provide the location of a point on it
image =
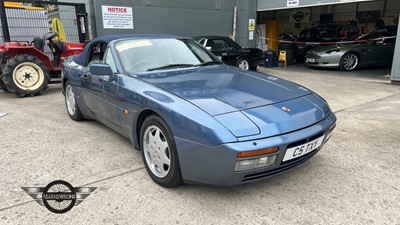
(349, 62)
(159, 152)
(156, 151)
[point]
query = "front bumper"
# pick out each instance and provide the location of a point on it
(215, 165)
(327, 61)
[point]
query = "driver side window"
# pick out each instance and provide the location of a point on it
(109, 59)
(218, 45)
(97, 52)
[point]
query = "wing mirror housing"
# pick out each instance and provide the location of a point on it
(208, 48)
(100, 69)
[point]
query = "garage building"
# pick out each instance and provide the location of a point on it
(250, 23)
(233, 18)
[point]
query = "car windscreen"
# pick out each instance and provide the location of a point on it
(140, 55)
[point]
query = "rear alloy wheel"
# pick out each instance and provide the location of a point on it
(70, 102)
(349, 62)
(243, 64)
(25, 75)
(159, 152)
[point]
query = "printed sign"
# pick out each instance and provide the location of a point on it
(117, 17)
(252, 24)
(293, 2)
(82, 24)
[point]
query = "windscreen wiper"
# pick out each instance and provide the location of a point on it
(171, 66)
(209, 63)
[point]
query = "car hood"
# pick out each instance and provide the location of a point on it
(246, 103)
(344, 47)
(222, 89)
(323, 49)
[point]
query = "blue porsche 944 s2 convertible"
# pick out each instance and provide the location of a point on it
(195, 119)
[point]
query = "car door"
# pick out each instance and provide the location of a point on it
(218, 47)
(92, 86)
(230, 53)
(109, 106)
(378, 53)
(383, 51)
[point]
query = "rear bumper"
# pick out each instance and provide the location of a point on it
(215, 165)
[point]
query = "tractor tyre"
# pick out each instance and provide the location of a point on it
(25, 75)
(3, 60)
(2, 86)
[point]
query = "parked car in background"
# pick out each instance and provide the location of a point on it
(376, 52)
(195, 119)
(326, 34)
(232, 53)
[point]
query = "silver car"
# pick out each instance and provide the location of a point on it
(351, 56)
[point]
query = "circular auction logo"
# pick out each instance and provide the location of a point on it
(59, 196)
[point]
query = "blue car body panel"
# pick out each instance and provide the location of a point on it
(229, 88)
(213, 111)
(214, 165)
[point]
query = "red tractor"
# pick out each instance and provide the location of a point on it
(26, 70)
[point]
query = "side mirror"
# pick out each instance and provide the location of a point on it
(100, 69)
(208, 48)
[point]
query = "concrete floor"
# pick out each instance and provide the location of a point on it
(354, 179)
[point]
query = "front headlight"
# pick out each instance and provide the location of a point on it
(247, 159)
(249, 164)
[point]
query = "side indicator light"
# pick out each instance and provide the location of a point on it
(257, 152)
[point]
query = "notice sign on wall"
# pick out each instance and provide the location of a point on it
(293, 2)
(117, 17)
(252, 23)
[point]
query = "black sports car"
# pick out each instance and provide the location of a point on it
(232, 53)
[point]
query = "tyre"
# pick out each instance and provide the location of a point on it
(254, 68)
(70, 102)
(349, 61)
(159, 152)
(2, 86)
(25, 75)
(3, 60)
(243, 63)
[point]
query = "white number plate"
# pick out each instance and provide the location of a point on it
(310, 60)
(303, 149)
